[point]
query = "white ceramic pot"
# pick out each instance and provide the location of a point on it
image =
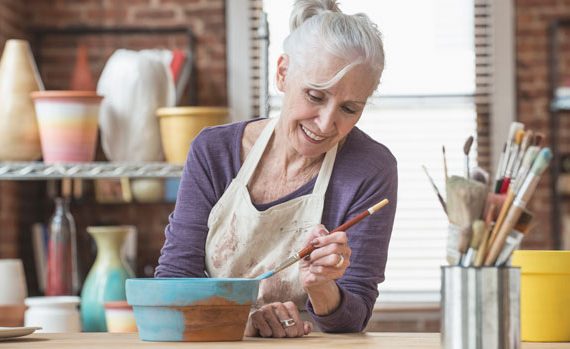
(147, 190)
(53, 314)
(13, 280)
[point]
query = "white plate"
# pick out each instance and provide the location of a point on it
(12, 332)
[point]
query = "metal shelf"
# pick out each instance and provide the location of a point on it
(91, 170)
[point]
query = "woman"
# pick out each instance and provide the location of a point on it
(252, 193)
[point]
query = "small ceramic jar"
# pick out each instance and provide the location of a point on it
(53, 314)
(120, 317)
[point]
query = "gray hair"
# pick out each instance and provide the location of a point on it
(318, 25)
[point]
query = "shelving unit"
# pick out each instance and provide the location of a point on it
(93, 170)
(558, 109)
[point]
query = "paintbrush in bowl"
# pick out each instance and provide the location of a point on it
(310, 248)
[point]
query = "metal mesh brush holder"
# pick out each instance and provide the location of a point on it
(480, 307)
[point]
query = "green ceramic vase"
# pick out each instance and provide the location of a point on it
(106, 279)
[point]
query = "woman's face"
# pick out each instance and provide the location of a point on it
(315, 120)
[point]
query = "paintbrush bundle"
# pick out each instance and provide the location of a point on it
(473, 242)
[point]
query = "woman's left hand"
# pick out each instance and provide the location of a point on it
(328, 261)
(277, 320)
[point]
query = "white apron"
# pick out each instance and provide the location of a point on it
(243, 242)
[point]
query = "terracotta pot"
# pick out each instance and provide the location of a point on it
(180, 125)
(82, 78)
(12, 315)
(68, 124)
(19, 137)
(192, 309)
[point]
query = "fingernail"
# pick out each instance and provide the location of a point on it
(315, 242)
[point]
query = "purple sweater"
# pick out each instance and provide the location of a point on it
(364, 173)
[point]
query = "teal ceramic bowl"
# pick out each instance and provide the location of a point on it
(191, 309)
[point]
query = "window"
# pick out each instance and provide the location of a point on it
(426, 99)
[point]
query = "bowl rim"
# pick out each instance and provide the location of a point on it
(201, 280)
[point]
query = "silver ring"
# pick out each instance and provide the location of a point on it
(340, 261)
(288, 323)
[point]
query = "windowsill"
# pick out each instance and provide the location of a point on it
(399, 307)
(407, 301)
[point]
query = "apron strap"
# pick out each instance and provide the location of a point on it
(256, 152)
(325, 172)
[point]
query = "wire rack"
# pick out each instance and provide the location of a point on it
(94, 170)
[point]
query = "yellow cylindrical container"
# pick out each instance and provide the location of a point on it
(180, 125)
(545, 295)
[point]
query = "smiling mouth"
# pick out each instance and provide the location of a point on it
(313, 138)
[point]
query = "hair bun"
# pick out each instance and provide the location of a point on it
(305, 9)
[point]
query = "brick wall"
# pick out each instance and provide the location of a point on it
(23, 203)
(11, 25)
(532, 21)
(206, 19)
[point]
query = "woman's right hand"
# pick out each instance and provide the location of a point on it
(277, 320)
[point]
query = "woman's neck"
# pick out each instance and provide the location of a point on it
(287, 159)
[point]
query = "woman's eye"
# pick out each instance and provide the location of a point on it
(348, 110)
(314, 98)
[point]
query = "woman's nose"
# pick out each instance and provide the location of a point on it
(326, 120)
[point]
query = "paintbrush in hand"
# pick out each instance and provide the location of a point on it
(310, 248)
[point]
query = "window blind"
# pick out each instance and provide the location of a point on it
(483, 79)
(257, 81)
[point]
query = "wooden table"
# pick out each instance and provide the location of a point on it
(314, 340)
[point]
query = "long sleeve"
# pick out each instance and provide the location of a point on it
(369, 242)
(205, 175)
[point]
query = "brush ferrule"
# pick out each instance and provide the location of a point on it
(289, 261)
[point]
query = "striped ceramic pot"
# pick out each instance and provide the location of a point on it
(67, 123)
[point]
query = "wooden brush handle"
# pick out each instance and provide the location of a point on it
(344, 227)
(505, 229)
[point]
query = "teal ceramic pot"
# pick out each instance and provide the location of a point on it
(106, 279)
(192, 309)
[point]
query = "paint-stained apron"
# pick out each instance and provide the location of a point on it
(243, 242)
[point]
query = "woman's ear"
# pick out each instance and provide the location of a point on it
(282, 68)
